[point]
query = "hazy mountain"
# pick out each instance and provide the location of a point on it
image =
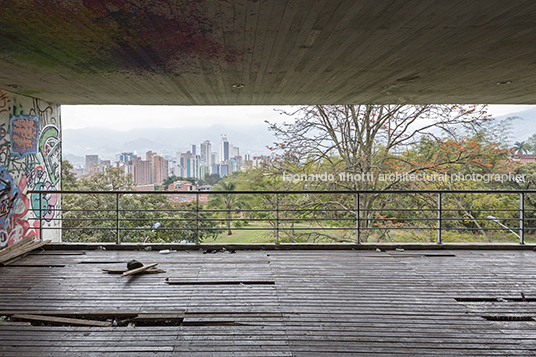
(524, 127)
(77, 143)
(165, 141)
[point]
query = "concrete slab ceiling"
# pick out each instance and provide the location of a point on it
(264, 52)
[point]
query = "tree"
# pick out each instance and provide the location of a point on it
(210, 179)
(228, 201)
(520, 147)
(68, 179)
(93, 217)
(365, 143)
(531, 144)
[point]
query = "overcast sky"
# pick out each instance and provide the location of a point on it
(125, 117)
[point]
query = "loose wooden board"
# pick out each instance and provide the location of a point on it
(121, 271)
(19, 244)
(61, 320)
(139, 270)
(22, 250)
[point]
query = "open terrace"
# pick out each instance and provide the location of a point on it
(271, 302)
(401, 298)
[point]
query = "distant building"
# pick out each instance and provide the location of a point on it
(159, 169)
(104, 165)
(93, 170)
(141, 171)
(524, 159)
(78, 172)
(233, 151)
(224, 149)
(125, 156)
(205, 153)
(149, 187)
(91, 160)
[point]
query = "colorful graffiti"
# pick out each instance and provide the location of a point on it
(4, 101)
(30, 159)
(50, 149)
(9, 195)
(24, 131)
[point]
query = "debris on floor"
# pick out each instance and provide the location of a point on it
(134, 264)
(121, 271)
(139, 270)
(20, 249)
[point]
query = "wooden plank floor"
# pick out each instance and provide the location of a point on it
(302, 303)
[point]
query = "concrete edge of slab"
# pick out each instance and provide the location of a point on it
(292, 246)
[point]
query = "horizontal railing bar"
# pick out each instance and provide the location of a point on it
(300, 192)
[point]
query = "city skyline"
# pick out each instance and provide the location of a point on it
(192, 163)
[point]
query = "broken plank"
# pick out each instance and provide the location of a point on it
(158, 316)
(18, 245)
(138, 270)
(121, 271)
(14, 323)
(220, 282)
(22, 250)
(61, 320)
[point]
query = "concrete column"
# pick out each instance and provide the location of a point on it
(30, 159)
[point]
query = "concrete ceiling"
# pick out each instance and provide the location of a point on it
(199, 52)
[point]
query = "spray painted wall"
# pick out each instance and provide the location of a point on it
(30, 159)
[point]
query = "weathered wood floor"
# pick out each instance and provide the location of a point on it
(277, 303)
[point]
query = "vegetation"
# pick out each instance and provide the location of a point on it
(373, 149)
(93, 217)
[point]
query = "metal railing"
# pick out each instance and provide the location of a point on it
(290, 216)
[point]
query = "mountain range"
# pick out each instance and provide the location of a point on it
(253, 138)
(77, 143)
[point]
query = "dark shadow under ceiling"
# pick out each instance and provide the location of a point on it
(266, 52)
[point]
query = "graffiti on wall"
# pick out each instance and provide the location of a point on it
(30, 159)
(24, 131)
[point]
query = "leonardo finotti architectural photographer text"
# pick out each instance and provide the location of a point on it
(405, 177)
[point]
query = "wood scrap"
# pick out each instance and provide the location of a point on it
(19, 244)
(14, 323)
(121, 271)
(158, 316)
(21, 251)
(60, 320)
(138, 270)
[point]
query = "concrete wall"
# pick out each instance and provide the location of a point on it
(30, 159)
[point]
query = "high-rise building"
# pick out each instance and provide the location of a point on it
(205, 153)
(142, 171)
(233, 151)
(91, 162)
(213, 158)
(192, 167)
(159, 169)
(224, 149)
(125, 156)
(193, 149)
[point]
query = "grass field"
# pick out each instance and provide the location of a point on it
(264, 233)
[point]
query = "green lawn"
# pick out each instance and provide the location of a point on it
(265, 234)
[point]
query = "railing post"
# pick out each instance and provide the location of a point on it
(41, 216)
(277, 218)
(357, 240)
(118, 241)
(197, 218)
(521, 218)
(439, 218)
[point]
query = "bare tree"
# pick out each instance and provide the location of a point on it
(361, 143)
